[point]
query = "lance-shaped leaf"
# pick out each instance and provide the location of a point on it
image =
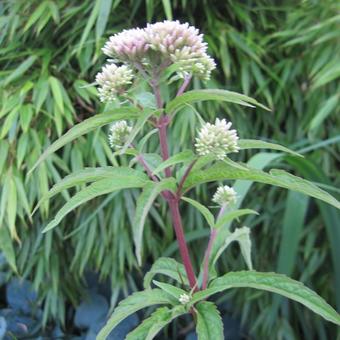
(168, 267)
(86, 126)
(174, 291)
(222, 171)
(144, 202)
(259, 144)
(151, 326)
(132, 304)
(185, 156)
(209, 323)
(275, 283)
(101, 187)
(242, 236)
(203, 210)
(193, 96)
(91, 175)
(230, 216)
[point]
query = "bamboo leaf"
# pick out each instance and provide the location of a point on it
(7, 248)
(275, 283)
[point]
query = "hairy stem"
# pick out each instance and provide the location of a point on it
(207, 253)
(184, 85)
(177, 223)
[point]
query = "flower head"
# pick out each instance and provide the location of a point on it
(180, 44)
(217, 139)
(224, 195)
(119, 133)
(184, 299)
(128, 45)
(112, 80)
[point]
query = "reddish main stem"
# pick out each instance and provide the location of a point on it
(207, 257)
(177, 223)
(162, 124)
(184, 85)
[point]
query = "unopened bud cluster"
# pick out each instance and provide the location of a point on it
(155, 47)
(224, 196)
(184, 299)
(216, 139)
(119, 133)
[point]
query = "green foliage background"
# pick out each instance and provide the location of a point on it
(285, 54)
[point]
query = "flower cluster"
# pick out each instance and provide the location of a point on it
(119, 133)
(224, 195)
(151, 49)
(217, 139)
(112, 81)
(184, 299)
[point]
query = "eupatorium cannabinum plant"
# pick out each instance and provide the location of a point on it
(161, 56)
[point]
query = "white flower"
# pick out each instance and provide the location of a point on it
(119, 133)
(180, 44)
(217, 139)
(113, 80)
(184, 299)
(224, 195)
(128, 45)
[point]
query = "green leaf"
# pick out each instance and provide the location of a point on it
(203, 210)
(144, 203)
(242, 236)
(168, 267)
(101, 187)
(209, 323)
(151, 326)
(132, 304)
(91, 175)
(272, 282)
(170, 289)
(259, 144)
(167, 9)
(7, 248)
(86, 126)
(230, 216)
(57, 92)
(185, 156)
(103, 16)
(222, 171)
(193, 96)
(20, 70)
(12, 207)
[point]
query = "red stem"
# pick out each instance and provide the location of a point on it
(207, 258)
(184, 85)
(186, 174)
(162, 124)
(177, 223)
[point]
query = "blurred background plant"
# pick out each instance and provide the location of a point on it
(284, 54)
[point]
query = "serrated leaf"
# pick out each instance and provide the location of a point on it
(86, 126)
(209, 323)
(181, 157)
(203, 210)
(259, 144)
(193, 96)
(230, 216)
(169, 267)
(222, 171)
(132, 304)
(151, 326)
(173, 291)
(272, 282)
(144, 202)
(242, 236)
(101, 187)
(91, 175)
